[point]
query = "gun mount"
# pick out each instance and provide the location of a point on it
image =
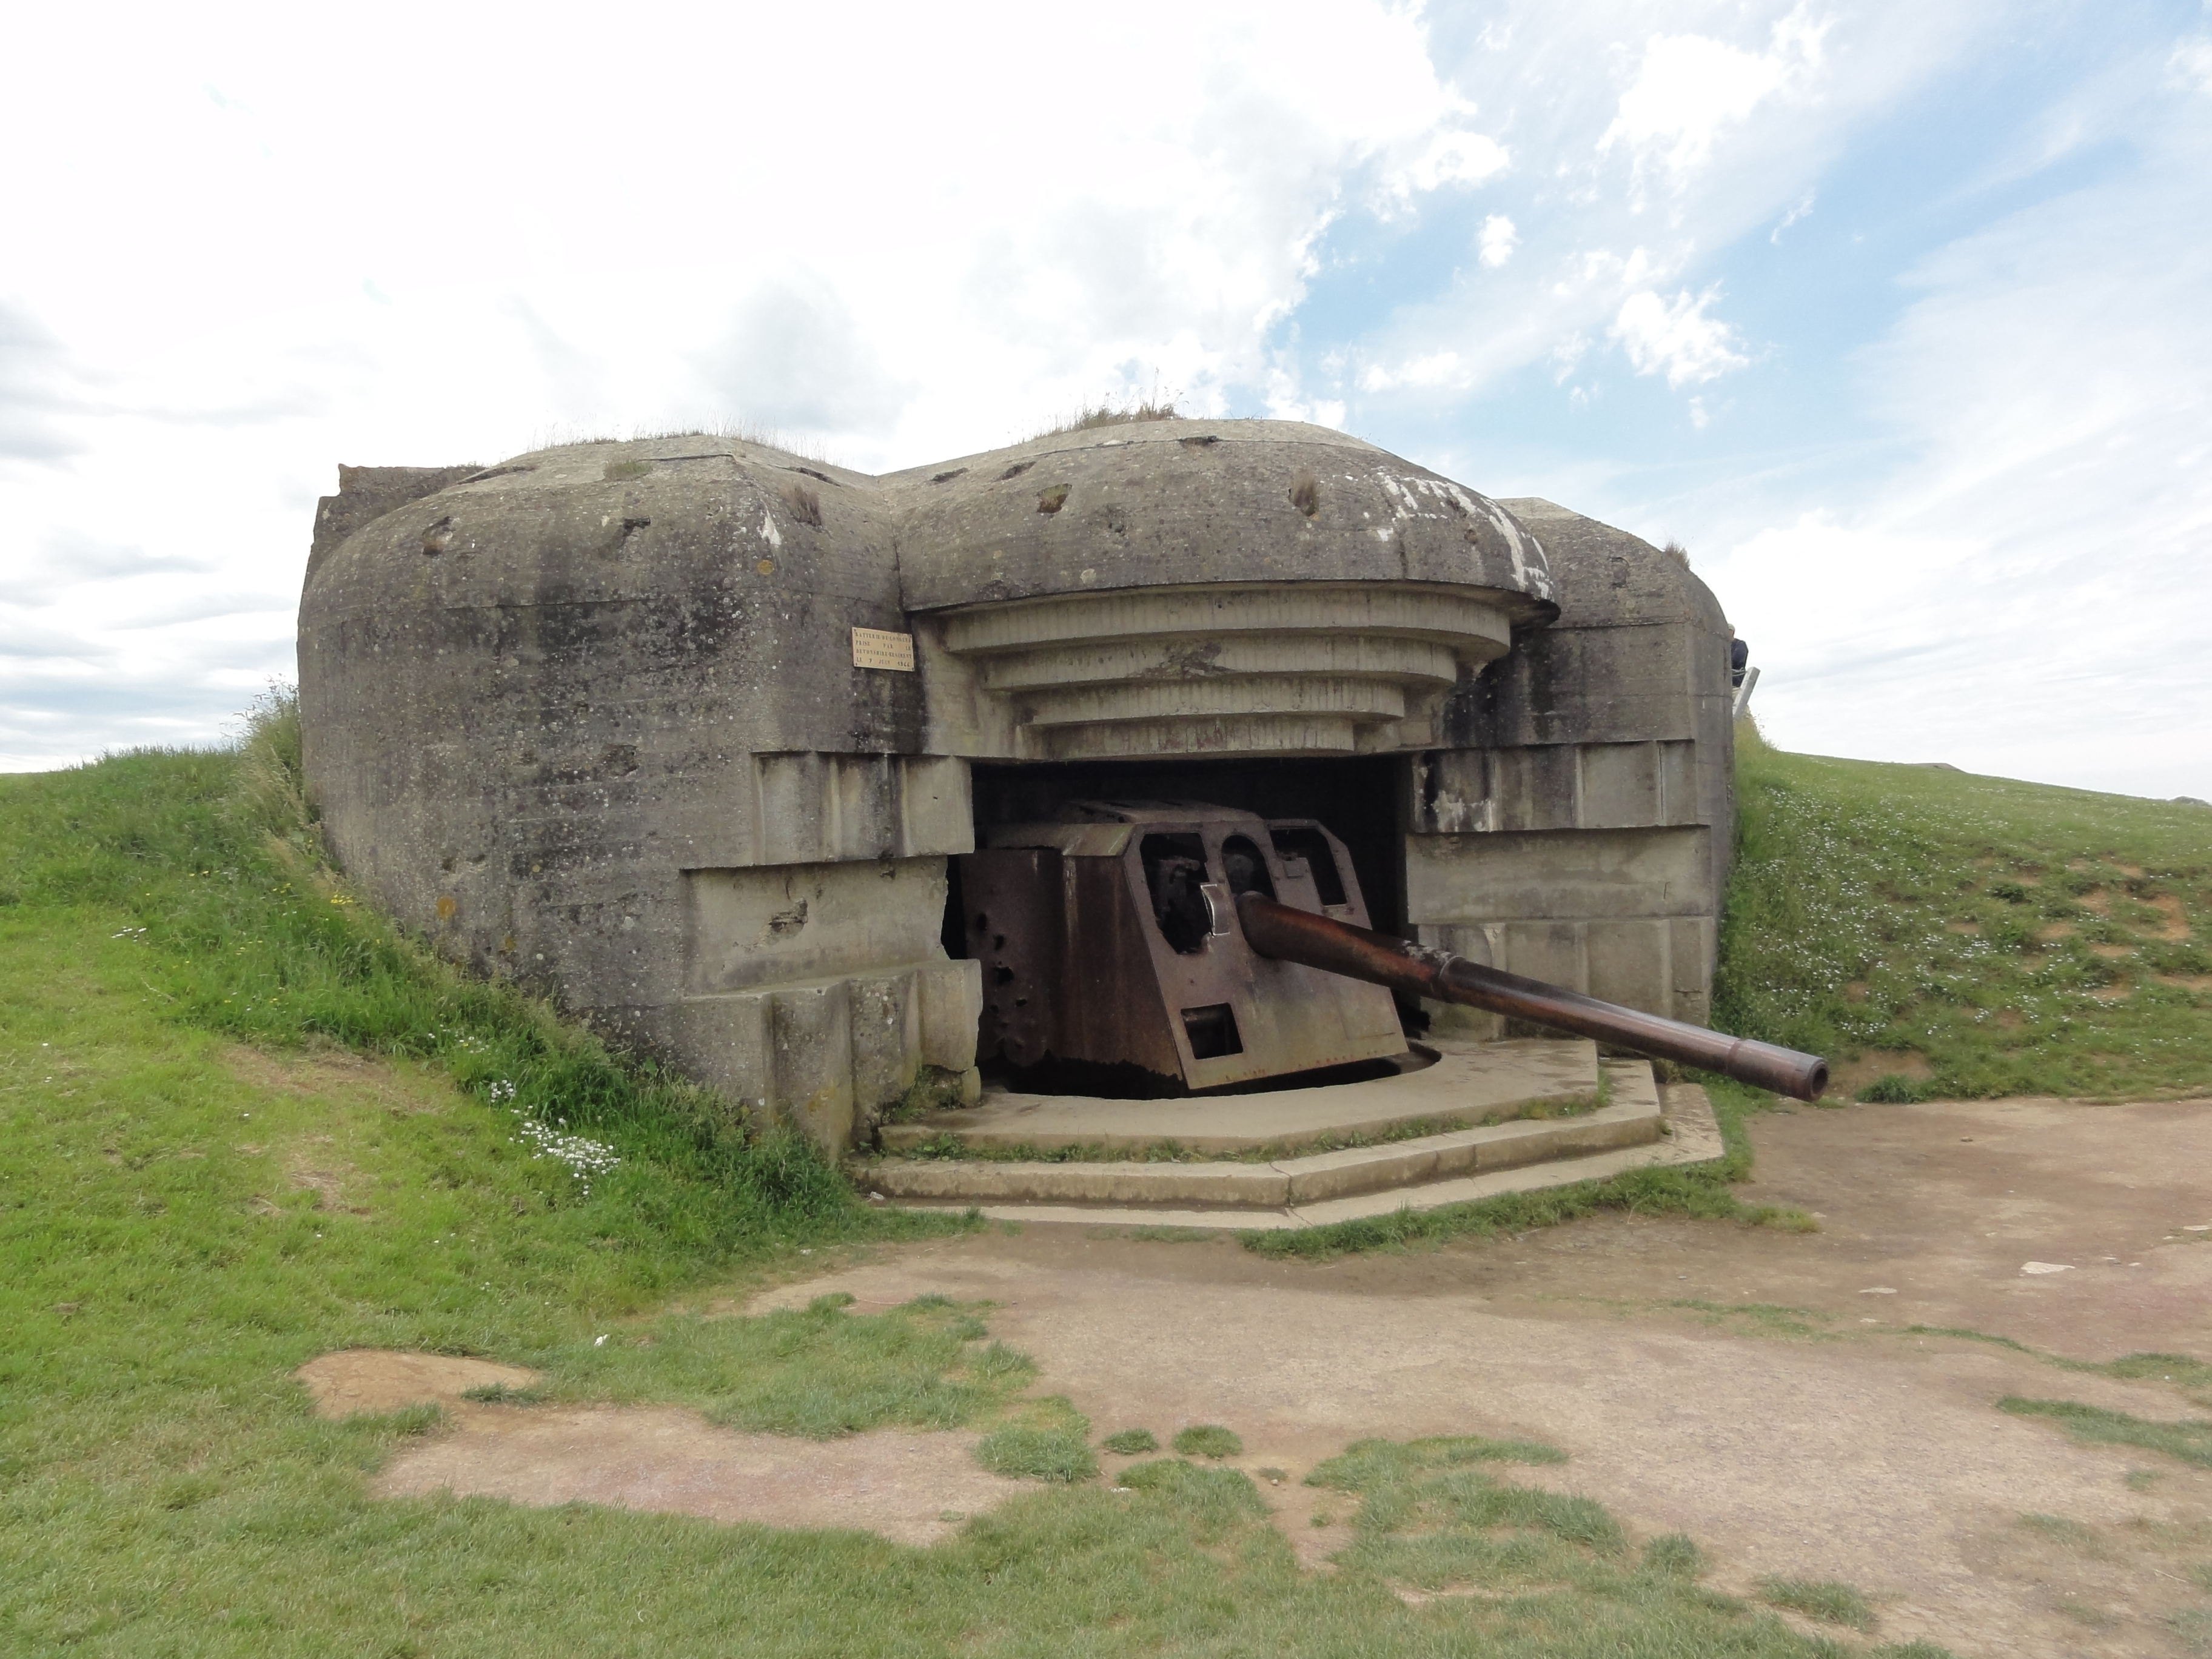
(1207, 947)
(1108, 940)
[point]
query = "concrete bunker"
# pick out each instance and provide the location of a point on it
(690, 733)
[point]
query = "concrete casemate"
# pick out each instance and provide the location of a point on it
(683, 731)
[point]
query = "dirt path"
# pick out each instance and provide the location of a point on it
(1862, 1453)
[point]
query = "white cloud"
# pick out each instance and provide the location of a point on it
(798, 361)
(1287, 402)
(33, 397)
(1453, 157)
(1499, 240)
(1438, 368)
(70, 559)
(1588, 235)
(2191, 62)
(1608, 273)
(1690, 88)
(1792, 216)
(1676, 337)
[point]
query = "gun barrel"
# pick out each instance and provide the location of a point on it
(1277, 930)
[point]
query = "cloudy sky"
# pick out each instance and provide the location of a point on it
(1898, 314)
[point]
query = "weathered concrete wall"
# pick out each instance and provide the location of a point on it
(590, 718)
(1579, 826)
(366, 493)
(1167, 503)
(536, 699)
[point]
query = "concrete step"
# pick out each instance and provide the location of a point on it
(1684, 1132)
(1632, 1119)
(1467, 1082)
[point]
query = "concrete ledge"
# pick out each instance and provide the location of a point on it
(1692, 1136)
(977, 1181)
(1468, 1080)
(1633, 1120)
(1691, 1124)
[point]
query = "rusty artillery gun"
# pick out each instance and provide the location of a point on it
(1181, 947)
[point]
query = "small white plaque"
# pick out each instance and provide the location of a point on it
(873, 648)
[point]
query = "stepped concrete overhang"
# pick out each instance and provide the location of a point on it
(634, 723)
(1196, 588)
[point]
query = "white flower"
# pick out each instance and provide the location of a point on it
(584, 1156)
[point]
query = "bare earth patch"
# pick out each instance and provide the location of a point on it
(353, 1093)
(912, 1487)
(1829, 1445)
(313, 1166)
(2174, 924)
(355, 1080)
(1852, 1075)
(378, 1380)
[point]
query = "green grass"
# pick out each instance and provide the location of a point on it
(2189, 1375)
(1431, 1518)
(186, 887)
(1047, 1440)
(2018, 938)
(1091, 416)
(1830, 1602)
(1208, 1440)
(201, 1188)
(1216, 1499)
(933, 1089)
(1760, 1318)
(1130, 1443)
(1673, 1555)
(819, 1372)
(2189, 1440)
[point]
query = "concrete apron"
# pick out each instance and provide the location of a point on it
(1642, 1125)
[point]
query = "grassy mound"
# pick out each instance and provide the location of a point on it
(197, 877)
(1961, 936)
